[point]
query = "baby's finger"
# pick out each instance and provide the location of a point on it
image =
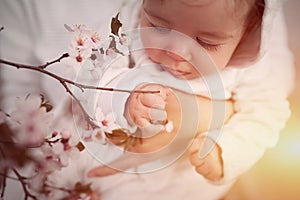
(157, 115)
(137, 113)
(142, 122)
(194, 148)
(151, 130)
(153, 101)
(204, 170)
(195, 160)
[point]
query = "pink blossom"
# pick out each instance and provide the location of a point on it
(68, 177)
(83, 42)
(48, 160)
(36, 182)
(66, 134)
(124, 40)
(33, 121)
(65, 149)
(105, 122)
(111, 53)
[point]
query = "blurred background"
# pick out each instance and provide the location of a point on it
(277, 175)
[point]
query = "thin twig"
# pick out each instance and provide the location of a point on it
(86, 115)
(7, 115)
(24, 186)
(4, 170)
(10, 177)
(64, 82)
(65, 55)
(4, 175)
(59, 188)
(61, 79)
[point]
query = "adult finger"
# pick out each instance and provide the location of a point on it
(157, 115)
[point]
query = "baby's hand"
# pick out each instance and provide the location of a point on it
(145, 109)
(211, 165)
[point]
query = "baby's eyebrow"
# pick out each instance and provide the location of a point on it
(197, 2)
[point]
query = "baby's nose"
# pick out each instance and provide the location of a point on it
(179, 52)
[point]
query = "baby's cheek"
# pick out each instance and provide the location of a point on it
(155, 55)
(219, 59)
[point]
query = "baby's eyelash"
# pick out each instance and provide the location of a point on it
(158, 28)
(209, 47)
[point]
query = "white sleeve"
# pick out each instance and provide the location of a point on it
(261, 105)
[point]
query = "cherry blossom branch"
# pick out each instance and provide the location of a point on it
(10, 177)
(59, 188)
(65, 55)
(86, 115)
(61, 79)
(4, 175)
(6, 114)
(24, 185)
(64, 82)
(3, 183)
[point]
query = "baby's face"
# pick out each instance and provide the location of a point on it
(213, 24)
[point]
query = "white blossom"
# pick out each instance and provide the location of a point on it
(36, 182)
(68, 177)
(124, 40)
(65, 149)
(32, 119)
(105, 122)
(83, 42)
(48, 160)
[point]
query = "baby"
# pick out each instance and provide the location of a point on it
(256, 78)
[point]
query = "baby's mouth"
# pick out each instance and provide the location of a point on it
(174, 72)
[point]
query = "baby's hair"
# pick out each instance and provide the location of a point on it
(255, 15)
